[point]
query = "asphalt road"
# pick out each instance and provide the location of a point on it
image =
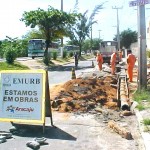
(63, 73)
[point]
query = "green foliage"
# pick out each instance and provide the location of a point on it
(141, 95)
(71, 54)
(52, 23)
(64, 54)
(82, 28)
(148, 54)
(10, 56)
(34, 34)
(127, 37)
(146, 121)
(54, 54)
(18, 45)
(140, 107)
(96, 44)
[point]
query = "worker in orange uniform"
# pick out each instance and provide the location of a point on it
(113, 62)
(131, 59)
(99, 59)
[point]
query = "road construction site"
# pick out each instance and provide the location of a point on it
(95, 110)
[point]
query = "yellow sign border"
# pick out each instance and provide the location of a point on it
(43, 96)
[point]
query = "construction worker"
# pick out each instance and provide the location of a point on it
(99, 59)
(131, 59)
(113, 62)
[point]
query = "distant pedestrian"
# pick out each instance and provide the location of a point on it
(113, 62)
(76, 60)
(99, 59)
(131, 59)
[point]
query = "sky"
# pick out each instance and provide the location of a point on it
(106, 28)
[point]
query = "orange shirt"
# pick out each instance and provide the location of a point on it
(131, 60)
(99, 58)
(113, 58)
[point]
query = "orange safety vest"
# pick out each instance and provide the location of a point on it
(99, 58)
(113, 58)
(131, 60)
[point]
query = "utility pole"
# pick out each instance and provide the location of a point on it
(91, 39)
(99, 39)
(142, 59)
(62, 37)
(118, 34)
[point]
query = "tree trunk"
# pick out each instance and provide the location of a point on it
(46, 54)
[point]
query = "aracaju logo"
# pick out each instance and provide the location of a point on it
(13, 109)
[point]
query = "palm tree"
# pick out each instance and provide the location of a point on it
(82, 28)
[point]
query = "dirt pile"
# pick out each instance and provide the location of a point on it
(85, 94)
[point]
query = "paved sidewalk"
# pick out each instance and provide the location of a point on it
(141, 114)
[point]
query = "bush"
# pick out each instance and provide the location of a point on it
(54, 53)
(10, 56)
(148, 54)
(71, 54)
(64, 54)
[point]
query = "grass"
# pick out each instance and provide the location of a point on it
(15, 66)
(146, 121)
(69, 59)
(139, 96)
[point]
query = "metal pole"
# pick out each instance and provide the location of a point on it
(62, 10)
(99, 39)
(91, 39)
(62, 37)
(142, 59)
(118, 34)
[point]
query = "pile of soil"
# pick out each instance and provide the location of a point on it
(85, 94)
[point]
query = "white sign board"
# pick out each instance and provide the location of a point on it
(22, 96)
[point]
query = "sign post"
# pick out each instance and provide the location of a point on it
(23, 96)
(142, 59)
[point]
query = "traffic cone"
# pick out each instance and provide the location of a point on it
(92, 64)
(73, 74)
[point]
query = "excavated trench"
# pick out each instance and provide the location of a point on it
(89, 93)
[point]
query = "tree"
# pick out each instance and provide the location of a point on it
(87, 44)
(82, 28)
(127, 37)
(34, 34)
(52, 22)
(19, 46)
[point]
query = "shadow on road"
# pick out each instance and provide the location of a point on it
(51, 132)
(67, 68)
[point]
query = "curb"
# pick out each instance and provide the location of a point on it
(145, 135)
